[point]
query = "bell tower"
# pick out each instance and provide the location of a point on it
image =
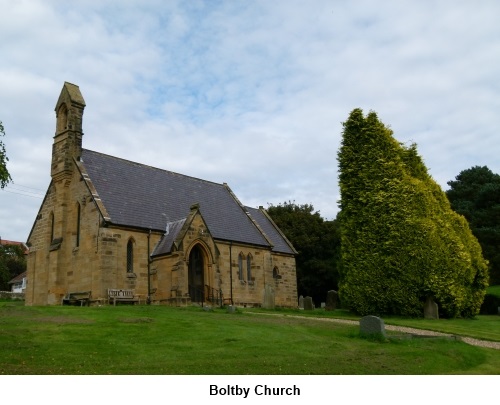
(68, 138)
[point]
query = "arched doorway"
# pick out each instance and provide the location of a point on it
(196, 270)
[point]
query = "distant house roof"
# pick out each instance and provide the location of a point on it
(18, 278)
(141, 196)
(11, 242)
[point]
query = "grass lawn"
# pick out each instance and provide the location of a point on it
(486, 327)
(494, 290)
(187, 341)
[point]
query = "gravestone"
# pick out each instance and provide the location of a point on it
(230, 309)
(308, 304)
(431, 309)
(301, 302)
(372, 325)
(323, 305)
(331, 300)
(268, 301)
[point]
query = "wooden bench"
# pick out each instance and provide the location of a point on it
(77, 297)
(115, 295)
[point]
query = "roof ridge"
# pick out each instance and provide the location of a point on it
(153, 167)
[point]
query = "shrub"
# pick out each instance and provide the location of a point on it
(400, 240)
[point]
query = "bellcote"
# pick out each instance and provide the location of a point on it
(68, 137)
(69, 109)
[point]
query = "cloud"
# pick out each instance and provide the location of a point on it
(248, 93)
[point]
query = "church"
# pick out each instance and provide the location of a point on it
(108, 223)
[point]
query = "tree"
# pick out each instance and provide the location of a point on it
(4, 174)
(12, 263)
(318, 245)
(475, 194)
(400, 240)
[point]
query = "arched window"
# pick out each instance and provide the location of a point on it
(78, 212)
(130, 256)
(276, 273)
(62, 118)
(249, 267)
(51, 227)
(240, 266)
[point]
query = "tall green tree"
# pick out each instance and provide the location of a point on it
(4, 173)
(475, 194)
(400, 240)
(317, 242)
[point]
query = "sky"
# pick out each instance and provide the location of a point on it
(251, 93)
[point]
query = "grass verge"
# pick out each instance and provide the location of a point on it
(190, 341)
(486, 327)
(494, 290)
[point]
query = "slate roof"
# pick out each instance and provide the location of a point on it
(141, 196)
(18, 278)
(281, 244)
(165, 244)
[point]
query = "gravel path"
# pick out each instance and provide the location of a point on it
(402, 329)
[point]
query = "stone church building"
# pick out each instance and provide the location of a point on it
(109, 223)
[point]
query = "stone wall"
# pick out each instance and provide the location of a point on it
(11, 295)
(250, 292)
(93, 260)
(64, 250)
